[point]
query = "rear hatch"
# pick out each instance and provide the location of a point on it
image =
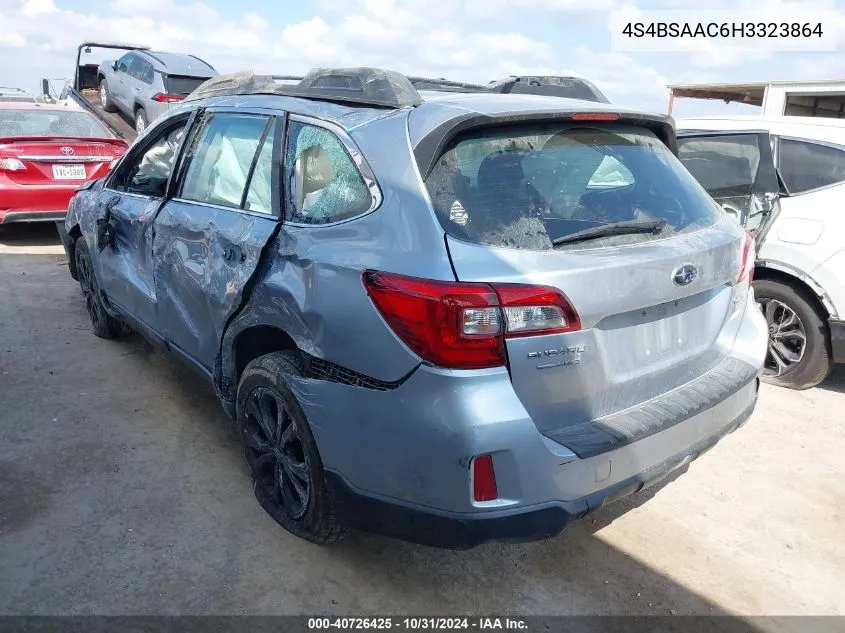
(182, 85)
(604, 214)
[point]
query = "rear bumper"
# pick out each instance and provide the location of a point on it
(10, 217)
(837, 340)
(426, 526)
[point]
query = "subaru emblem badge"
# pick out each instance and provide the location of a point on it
(684, 274)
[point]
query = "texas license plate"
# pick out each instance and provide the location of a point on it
(69, 172)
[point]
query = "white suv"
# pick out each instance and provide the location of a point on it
(784, 178)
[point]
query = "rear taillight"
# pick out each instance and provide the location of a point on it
(749, 255)
(11, 164)
(162, 97)
(463, 325)
(484, 479)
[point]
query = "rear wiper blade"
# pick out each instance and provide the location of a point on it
(614, 228)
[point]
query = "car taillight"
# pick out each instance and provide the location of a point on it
(749, 255)
(484, 479)
(11, 164)
(463, 325)
(162, 97)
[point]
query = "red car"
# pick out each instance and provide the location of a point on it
(46, 152)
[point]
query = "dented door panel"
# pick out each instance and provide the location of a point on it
(126, 263)
(204, 258)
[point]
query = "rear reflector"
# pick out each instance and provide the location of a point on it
(484, 479)
(594, 116)
(463, 325)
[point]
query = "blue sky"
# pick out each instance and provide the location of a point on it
(473, 40)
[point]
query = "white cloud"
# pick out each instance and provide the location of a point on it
(816, 66)
(623, 79)
(570, 8)
(383, 33)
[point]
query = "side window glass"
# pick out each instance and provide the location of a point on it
(125, 62)
(221, 156)
(136, 70)
(726, 166)
(806, 166)
(147, 173)
(147, 76)
(259, 197)
(323, 182)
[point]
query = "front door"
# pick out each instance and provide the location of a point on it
(128, 204)
(210, 237)
(738, 171)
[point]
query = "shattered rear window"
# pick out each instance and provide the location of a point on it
(525, 186)
(37, 122)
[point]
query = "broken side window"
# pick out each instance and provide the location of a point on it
(323, 182)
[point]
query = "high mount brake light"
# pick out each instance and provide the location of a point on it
(595, 116)
(463, 325)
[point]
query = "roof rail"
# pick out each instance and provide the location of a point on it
(367, 86)
(376, 87)
(445, 85)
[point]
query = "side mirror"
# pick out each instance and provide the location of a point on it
(114, 65)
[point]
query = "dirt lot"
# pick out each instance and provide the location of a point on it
(122, 490)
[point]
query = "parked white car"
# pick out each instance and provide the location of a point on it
(784, 179)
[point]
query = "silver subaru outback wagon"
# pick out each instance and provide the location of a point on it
(446, 316)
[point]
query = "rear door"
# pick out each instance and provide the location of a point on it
(121, 87)
(656, 308)
(209, 239)
(127, 205)
(738, 170)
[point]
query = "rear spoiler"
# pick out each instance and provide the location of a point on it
(430, 147)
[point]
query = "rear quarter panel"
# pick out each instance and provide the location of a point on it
(311, 285)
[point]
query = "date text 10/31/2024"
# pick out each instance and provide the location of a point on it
(415, 624)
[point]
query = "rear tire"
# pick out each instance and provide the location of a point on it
(288, 477)
(105, 97)
(791, 313)
(141, 121)
(102, 323)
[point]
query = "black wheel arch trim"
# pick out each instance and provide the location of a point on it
(837, 340)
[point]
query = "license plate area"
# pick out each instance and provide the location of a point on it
(69, 172)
